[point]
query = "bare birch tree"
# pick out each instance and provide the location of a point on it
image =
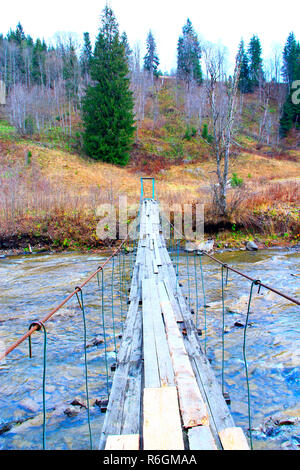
(222, 101)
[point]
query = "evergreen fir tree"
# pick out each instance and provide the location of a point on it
(244, 79)
(189, 55)
(107, 108)
(291, 59)
(127, 49)
(38, 63)
(71, 71)
(86, 55)
(151, 60)
(290, 116)
(255, 62)
(19, 35)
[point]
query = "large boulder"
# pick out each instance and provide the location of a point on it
(190, 246)
(251, 246)
(206, 246)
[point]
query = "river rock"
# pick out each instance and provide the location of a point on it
(71, 411)
(190, 247)
(251, 246)
(239, 324)
(96, 341)
(30, 405)
(78, 402)
(206, 247)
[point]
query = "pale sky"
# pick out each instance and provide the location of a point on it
(218, 21)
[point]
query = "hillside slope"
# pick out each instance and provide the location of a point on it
(49, 192)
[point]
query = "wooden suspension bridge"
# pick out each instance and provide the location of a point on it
(164, 394)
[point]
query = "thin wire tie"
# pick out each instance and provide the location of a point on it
(253, 283)
(224, 266)
(204, 299)
(103, 326)
(81, 304)
(40, 325)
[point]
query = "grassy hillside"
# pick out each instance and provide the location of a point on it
(50, 191)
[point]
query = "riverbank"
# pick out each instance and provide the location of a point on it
(50, 197)
(240, 245)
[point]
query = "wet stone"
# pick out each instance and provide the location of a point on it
(71, 411)
(78, 402)
(251, 246)
(102, 403)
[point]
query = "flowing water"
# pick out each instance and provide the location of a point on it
(31, 285)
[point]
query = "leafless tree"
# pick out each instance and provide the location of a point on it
(222, 99)
(140, 84)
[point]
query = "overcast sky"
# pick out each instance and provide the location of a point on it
(218, 21)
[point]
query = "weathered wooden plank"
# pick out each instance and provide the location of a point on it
(151, 373)
(165, 367)
(148, 207)
(132, 403)
(156, 251)
(173, 301)
(129, 357)
(123, 442)
(134, 283)
(219, 413)
(201, 438)
(161, 426)
(155, 267)
(233, 439)
(192, 406)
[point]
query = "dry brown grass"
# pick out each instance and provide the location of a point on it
(67, 188)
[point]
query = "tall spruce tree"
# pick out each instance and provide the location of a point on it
(127, 48)
(38, 62)
(151, 60)
(291, 60)
(189, 55)
(86, 56)
(107, 108)
(244, 84)
(290, 116)
(255, 62)
(71, 71)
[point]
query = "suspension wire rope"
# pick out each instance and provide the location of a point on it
(81, 305)
(188, 276)
(223, 325)
(40, 325)
(103, 327)
(120, 288)
(112, 306)
(196, 286)
(253, 283)
(124, 282)
(204, 301)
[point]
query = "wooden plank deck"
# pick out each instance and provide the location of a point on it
(164, 387)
